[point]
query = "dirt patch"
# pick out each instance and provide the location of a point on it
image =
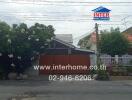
(24, 97)
(121, 78)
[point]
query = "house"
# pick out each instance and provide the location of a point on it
(61, 52)
(65, 37)
(88, 42)
(128, 34)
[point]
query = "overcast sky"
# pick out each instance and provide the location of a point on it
(66, 17)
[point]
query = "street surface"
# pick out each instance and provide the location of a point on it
(44, 90)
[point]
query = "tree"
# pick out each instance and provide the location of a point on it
(113, 42)
(20, 45)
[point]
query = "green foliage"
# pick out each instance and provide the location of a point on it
(23, 44)
(113, 42)
(129, 69)
(103, 75)
(131, 61)
(1, 72)
(120, 70)
(4, 32)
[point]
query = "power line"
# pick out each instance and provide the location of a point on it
(46, 17)
(88, 33)
(54, 15)
(125, 22)
(84, 35)
(61, 18)
(110, 24)
(49, 14)
(60, 4)
(48, 1)
(7, 11)
(57, 19)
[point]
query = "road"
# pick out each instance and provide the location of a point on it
(44, 90)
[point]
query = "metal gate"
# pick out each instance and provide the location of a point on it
(64, 64)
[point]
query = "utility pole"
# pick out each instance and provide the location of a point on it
(125, 22)
(97, 45)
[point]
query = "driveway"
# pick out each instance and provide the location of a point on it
(44, 90)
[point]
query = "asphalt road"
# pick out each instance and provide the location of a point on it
(43, 90)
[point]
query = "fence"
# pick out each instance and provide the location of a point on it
(125, 60)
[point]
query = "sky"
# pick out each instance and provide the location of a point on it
(67, 16)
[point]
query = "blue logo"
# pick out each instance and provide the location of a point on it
(101, 13)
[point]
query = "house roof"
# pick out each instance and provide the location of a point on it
(128, 31)
(65, 37)
(85, 50)
(68, 38)
(101, 9)
(63, 42)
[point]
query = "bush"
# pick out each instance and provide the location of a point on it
(129, 69)
(92, 72)
(131, 61)
(12, 76)
(119, 71)
(103, 75)
(1, 74)
(21, 45)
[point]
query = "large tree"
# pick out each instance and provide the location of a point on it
(20, 45)
(113, 42)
